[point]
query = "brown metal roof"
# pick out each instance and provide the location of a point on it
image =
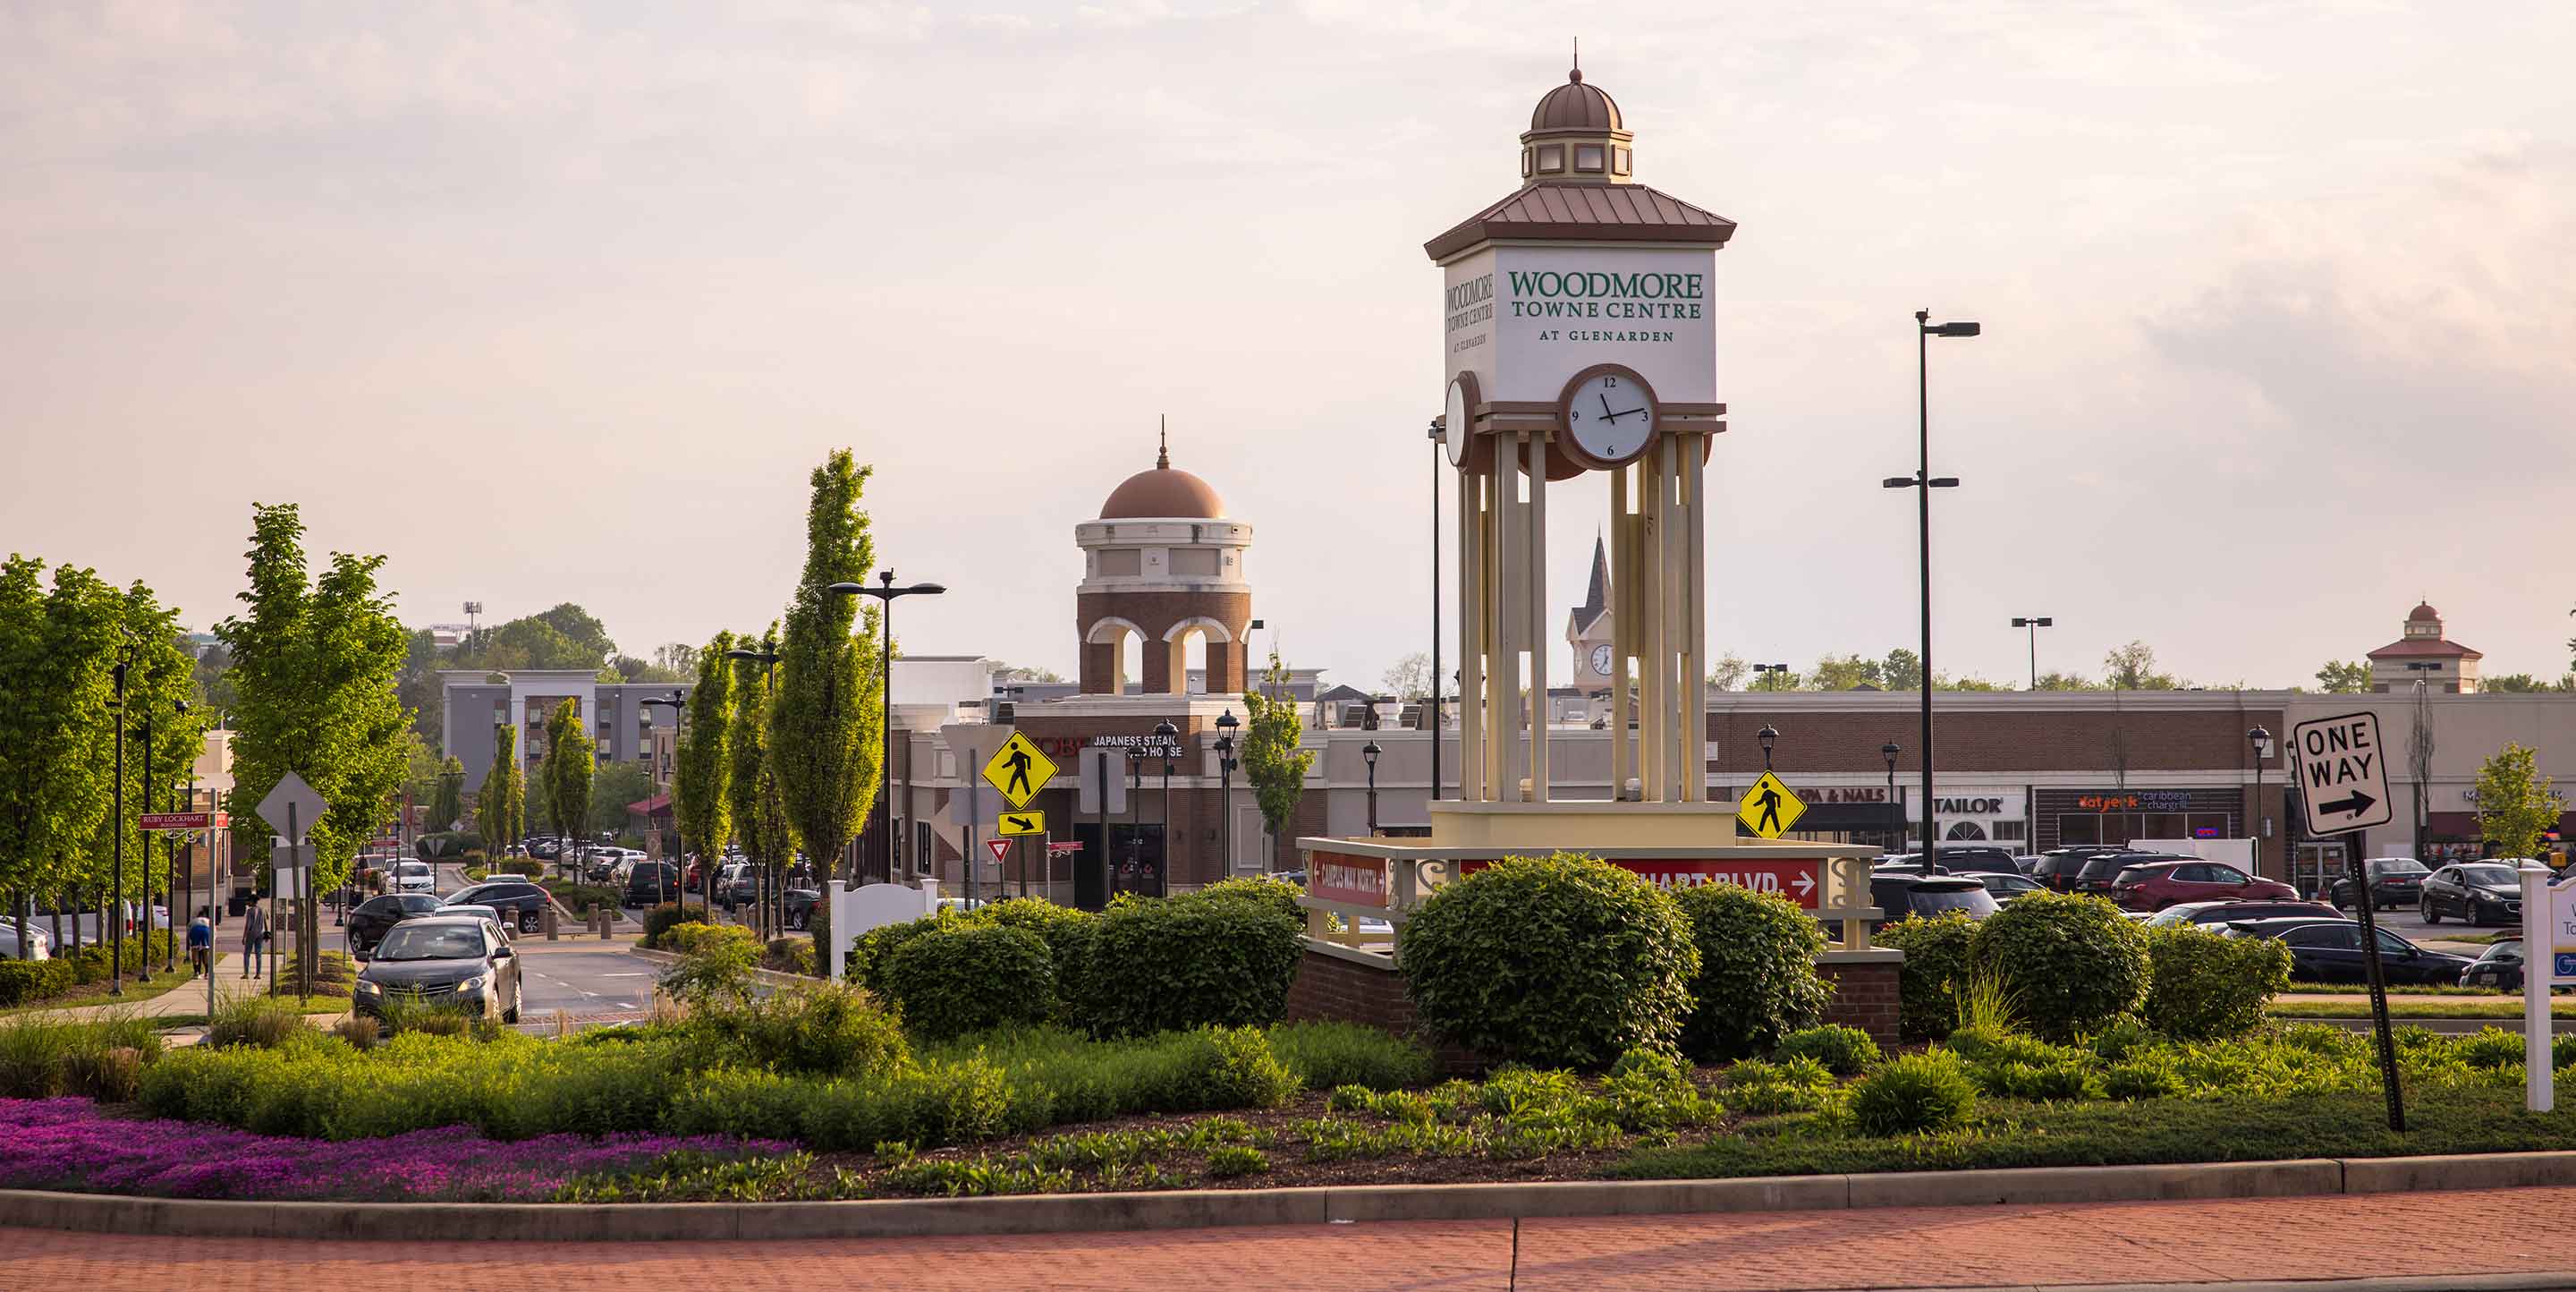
(2423, 648)
(1575, 106)
(1592, 212)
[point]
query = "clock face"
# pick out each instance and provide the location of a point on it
(1456, 428)
(1609, 416)
(1601, 659)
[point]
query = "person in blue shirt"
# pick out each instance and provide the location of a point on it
(201, 943)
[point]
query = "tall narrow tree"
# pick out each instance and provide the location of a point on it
(447, 804)
(570, 760)
(1272, 761)
(54, 652)
(158, 675)
(758, 810)
(500, 812)
(825, 722)
(702, 771)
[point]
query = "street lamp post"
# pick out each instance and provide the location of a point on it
(1225, 725)
(1769, 736)
(1171, 853)
(143, 971)
(1368, 754)
(2034, 625)
(2262, 741)
(1889, 752)
(1135, 807)
(1924, 482)
(1439, 427)
(116, 935)
(832, 680)
(886, 594)
(679, 841)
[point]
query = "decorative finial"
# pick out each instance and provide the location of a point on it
(1163, 455)
(1577, 74)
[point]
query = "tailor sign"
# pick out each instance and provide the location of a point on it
(1526, 319)
(1799, 881)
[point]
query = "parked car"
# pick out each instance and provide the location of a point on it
(478, 912)
(459, 960)
(2058, 867)
(2155, 885)
(2331, 951)
(1898, 896)
(414, 877)
(737, 884)
(2006, 884)
(2500, 967)
(371, 919)
(2394, 881)
(2206, 914)
(2103, 869)
(2481, 892)
(1906, 863)
(544, 849)
(651, 883)
(519, 902)
(40, 944)
(797, 904)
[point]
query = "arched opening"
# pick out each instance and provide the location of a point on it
(1196, 647)
(1131, 662)
(1193, 652)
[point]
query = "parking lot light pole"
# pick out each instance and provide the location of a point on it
(886, 594)
(2262, 742)
(2034, 625)
(1924, 482)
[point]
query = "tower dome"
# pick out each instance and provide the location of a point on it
(1576, 136)
(1576, 106)
(1162, 565)
(1163, 491)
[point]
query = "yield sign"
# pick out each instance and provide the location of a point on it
(1001, 850)
(2343, 772)
(1769, 809)
(293, 808)
(1018, 770)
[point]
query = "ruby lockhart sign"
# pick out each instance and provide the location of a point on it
(183, 821)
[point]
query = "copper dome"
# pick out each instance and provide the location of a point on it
(1164, 491)
(2423, 613)
(1576, 106)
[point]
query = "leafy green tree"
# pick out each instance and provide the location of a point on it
(314, 663)
(1728, 672)
(1970, 683)
(2343, 677)
(571, 758)
(1025, 673)
(2133, 668)
(754, 803)
(500, 807)
(1409, 678)
(160, 739)
(1845, 673)
(2516, 803)
(2056, 681)
(214, 687)
(1272, 763)
(54, 652)
(613, 787)
(826, 721)
(1902, 670)
(630, 669)
(680, 658)
(702, 775)
(447, 804)
(2526, 684)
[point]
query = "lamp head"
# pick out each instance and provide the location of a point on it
(1768, 735)
(1370, 751)
(1165, 728)
(845, 589)
(1962, 328)
(1888, 751)
(1225, 721)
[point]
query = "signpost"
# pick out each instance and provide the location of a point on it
(2548, 959)
(1100, 790)
(299, 806)
(1770, 808)
(2343, 785)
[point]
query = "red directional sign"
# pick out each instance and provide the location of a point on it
(1799, 881)
(183, 821)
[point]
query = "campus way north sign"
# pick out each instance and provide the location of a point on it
(1526, 319)
(2343, 773)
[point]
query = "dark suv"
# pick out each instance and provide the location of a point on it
(2058, 867)
(518, 900)
(652, 883)
(1899, 895)
(373, 918)
(2394, 881)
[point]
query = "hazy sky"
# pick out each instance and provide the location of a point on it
(561, 302)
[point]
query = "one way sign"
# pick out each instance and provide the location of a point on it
(2343, 773)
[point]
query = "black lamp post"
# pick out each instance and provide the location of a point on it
(2261, 739)
(1368, 754)
(707, 879)
(1439, 426)
(1925, 482)
(2034, 624)
(886, 593)
(1769, 736)
(1889, 751)
(832, 676)
(1171, 736)
(1769, 677)
(116, 934)
(1135, 807)
(1225, 726)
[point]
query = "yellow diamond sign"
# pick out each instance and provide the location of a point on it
(1769, 809)
(1018, 770)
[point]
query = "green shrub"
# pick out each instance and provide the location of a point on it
(1791, 1086)
(969, 977)
(1936, 960)
(2074, 962)
(692, 937)
(2492, 1048)
(1330, 1055)
(266, 1022)
(1757, 978)
(1227, 1161)
(91, 963)
(715, 972)
(1844, 1051)
(2119, 1037)
(824, 1030)
(528, 866)
(1066, 931)
(42, 1057)
(2202, 986)
(789, 955)
(2143, 1076)
(1198, 960)
(663, 918)
(581, 899)
(870, 951)
(1919, 1092)
(26, 981)
(2562, 1050)
(1275, 894)
(1563, 960)
(2059, 1080)
(1243, 1072)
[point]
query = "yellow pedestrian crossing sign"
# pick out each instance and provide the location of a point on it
(1018, 770)
(1021, 823)
(1769, 809)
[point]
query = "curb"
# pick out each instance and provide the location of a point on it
(1230, 1208)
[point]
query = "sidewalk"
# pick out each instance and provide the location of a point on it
(2394, 1240)
(187, 998)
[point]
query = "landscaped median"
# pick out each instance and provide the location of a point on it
(1028, 1050)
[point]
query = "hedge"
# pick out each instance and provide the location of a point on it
(23, 981)
(965, 977)
(2202, 986)
(1205, 959)
(2071, 963)
(1757, 977)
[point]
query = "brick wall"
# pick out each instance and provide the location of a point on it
(1864, 997)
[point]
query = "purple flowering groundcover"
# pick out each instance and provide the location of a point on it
(68, 1144)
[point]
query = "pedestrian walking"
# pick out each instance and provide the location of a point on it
(254, 937)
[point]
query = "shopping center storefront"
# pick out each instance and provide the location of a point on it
(2118, 815)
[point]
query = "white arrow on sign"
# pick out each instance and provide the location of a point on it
(2343, 773)
(1806, 884)
(293, 808)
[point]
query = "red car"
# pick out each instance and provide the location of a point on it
(2159, 884)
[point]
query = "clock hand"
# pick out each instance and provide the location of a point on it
(1638, 409)
(1605, 408)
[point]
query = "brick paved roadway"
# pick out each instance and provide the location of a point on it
(2493, 1231)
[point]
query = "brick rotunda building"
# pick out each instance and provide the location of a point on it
(1161, 563)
